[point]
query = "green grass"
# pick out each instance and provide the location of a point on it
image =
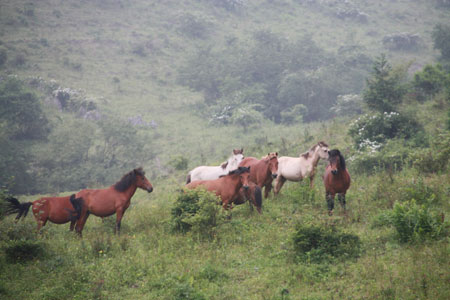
(251, 257)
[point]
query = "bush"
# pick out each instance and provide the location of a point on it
(434, 159)
(315, 244)
(430, 81)
(413, 222)
(180, 162)
(374, 156)
(196, 211)
(379, 127)
(24, 250)
(348, 105)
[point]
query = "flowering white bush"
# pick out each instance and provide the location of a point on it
(371, 131)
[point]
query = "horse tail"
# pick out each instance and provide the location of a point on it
(188, 179)
(77, 204)
(258, 197)
(15, 207)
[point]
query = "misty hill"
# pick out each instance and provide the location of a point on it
(194, 76)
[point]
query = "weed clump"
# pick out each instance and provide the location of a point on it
(324, 243)
(196, 211)
(413, 222)
(23, 250)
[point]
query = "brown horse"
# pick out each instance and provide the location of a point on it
(263, 170)
(227, 186)
(112, 200)
(336, 180)
(59, 210)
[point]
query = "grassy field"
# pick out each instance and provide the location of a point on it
(250, 257)
(126, 56)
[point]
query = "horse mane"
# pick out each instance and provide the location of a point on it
(319, 144)
(128, 179)
(335, 152)
(239, 170)
(270, 155)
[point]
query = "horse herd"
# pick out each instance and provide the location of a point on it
(236, 181)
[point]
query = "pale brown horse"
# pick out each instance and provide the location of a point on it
(58, 210)
(227, 186)
(336, 180)
(112, 200)
(264, 170)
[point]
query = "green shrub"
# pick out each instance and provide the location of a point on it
(374, 156)
(434, 159)
(379, 127)
(413, 222)
(180, 162)
(24, 250)
(430, 81)
(196, 211)
(319, 243)
(184, 291)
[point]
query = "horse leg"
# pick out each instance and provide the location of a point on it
(311, 180)
(40, 224)
(341, 198)
(119, 215)
(279, 181)
(81, 221)
(267, 189)
(330, 203)
(72, 225)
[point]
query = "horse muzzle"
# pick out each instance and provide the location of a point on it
(274, 175)
(150, 189)
(245, 187)
(334, 172)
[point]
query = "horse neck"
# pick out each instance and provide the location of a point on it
(129, 192)
(230, 166)
(315, 158)
(233, 180)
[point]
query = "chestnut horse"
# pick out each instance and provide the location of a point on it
(336, 180)
(297, 168)
(112, 200)
(59, 210)
(263, 170)
(226, 187)
(214, 172)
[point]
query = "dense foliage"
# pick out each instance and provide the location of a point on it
(277, 77)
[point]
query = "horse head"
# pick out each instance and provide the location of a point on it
(142, 181)
(233, 162)
(244, 176)
(272, 158)
(322, 150)
(337, 161)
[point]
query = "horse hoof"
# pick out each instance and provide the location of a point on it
(330, 213)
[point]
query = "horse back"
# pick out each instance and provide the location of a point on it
(56, 209)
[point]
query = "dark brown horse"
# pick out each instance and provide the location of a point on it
(264, 170)
(112, 200)
(59, 210)
(336, 180)
(227, 186)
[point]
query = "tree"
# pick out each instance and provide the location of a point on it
(21, 111)
(441, 39)
(431, 80)
(384, 90)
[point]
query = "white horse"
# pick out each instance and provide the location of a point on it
(297, 168)
(214, 172)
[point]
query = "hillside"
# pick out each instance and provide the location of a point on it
(92, 89)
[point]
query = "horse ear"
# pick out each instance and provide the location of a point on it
(276, 153)
(242, 150)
